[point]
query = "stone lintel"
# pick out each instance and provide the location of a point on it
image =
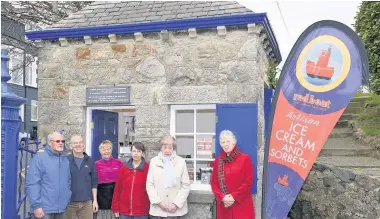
(112, 38)
(192, 32)
(255, 28)
(164, 35)
(139, 37)
(87, 40)
(63, 42)
(39, 43)
(222, 31)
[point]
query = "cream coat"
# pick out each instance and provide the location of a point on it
(158, 193)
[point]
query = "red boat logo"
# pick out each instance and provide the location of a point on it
(320, 69)
(283, 181)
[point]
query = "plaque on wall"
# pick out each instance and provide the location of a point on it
(111, 95)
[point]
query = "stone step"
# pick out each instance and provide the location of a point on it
(350, 162)
(359, 99)
(340, 133)
(345, 147)
(341, 124)
(360, 151)
(374, 172)
(356, 104)
(347, 116)
(353, 110)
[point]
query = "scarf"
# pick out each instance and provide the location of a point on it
(227, 159)
(169, 171)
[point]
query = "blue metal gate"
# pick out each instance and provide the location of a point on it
(15, 157)
(26, 152)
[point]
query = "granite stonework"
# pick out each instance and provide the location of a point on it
(205, 69)
(335, 193)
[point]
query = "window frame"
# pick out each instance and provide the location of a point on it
(11, 73)
(31, 110)
(32, 74)
(194, 107)
(21, 112)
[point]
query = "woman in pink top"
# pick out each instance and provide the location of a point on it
(108, 171)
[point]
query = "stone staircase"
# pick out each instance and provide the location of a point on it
(343, 150)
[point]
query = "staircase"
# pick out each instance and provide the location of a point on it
(343, 150)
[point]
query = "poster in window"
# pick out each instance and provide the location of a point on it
(204, 147)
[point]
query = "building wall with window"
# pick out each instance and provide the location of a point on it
(179, 79)
(24, 86)
(196, 55)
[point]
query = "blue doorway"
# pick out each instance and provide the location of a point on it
(105, 128)
(241, 119)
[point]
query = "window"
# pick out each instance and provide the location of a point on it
(16, 68)
(194, 128)
(31, 72)
(21, 113)
(34, 110)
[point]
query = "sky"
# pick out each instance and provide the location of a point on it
(298, 15)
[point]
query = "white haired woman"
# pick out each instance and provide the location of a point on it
(231, 180)
(108, 171)
(168, 183)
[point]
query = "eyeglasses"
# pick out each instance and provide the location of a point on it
(58, 141)
(77, 143)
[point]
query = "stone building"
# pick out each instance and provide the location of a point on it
(173, 62)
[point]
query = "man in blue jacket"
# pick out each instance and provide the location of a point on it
(48, 180)
(84, 182)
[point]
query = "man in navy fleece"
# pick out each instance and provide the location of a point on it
(84, 182)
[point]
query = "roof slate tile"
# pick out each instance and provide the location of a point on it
(119, 12)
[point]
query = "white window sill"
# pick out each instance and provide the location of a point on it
(19, 84)
(33, 86)
(33, 120)
(197, 186)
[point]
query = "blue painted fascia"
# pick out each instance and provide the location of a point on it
(156, 26)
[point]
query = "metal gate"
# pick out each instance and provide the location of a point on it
(27, 149)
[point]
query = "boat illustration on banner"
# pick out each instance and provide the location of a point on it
(320, 69)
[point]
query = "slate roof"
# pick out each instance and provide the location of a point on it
(127, 12)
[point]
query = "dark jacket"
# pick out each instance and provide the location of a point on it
(83, 179)
(130, 196)
(48, 182)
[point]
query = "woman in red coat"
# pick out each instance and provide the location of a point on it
(130, 199)
(231, 181)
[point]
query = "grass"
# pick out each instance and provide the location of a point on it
(369, 118)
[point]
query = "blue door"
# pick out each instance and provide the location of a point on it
(105, 128)
(241, 119)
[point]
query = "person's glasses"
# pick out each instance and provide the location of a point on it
(58, 141)
(78, 143)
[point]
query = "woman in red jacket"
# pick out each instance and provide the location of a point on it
(130, 199)
(231, 181)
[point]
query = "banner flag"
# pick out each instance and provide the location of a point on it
(322, 73)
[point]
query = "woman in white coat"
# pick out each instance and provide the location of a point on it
(168, 183)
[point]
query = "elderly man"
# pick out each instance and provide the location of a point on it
(84, 182)
(48, 180)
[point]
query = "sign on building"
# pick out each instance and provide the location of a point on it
(110, 95)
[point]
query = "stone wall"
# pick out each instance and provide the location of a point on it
(335, 193)
(205, 68)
